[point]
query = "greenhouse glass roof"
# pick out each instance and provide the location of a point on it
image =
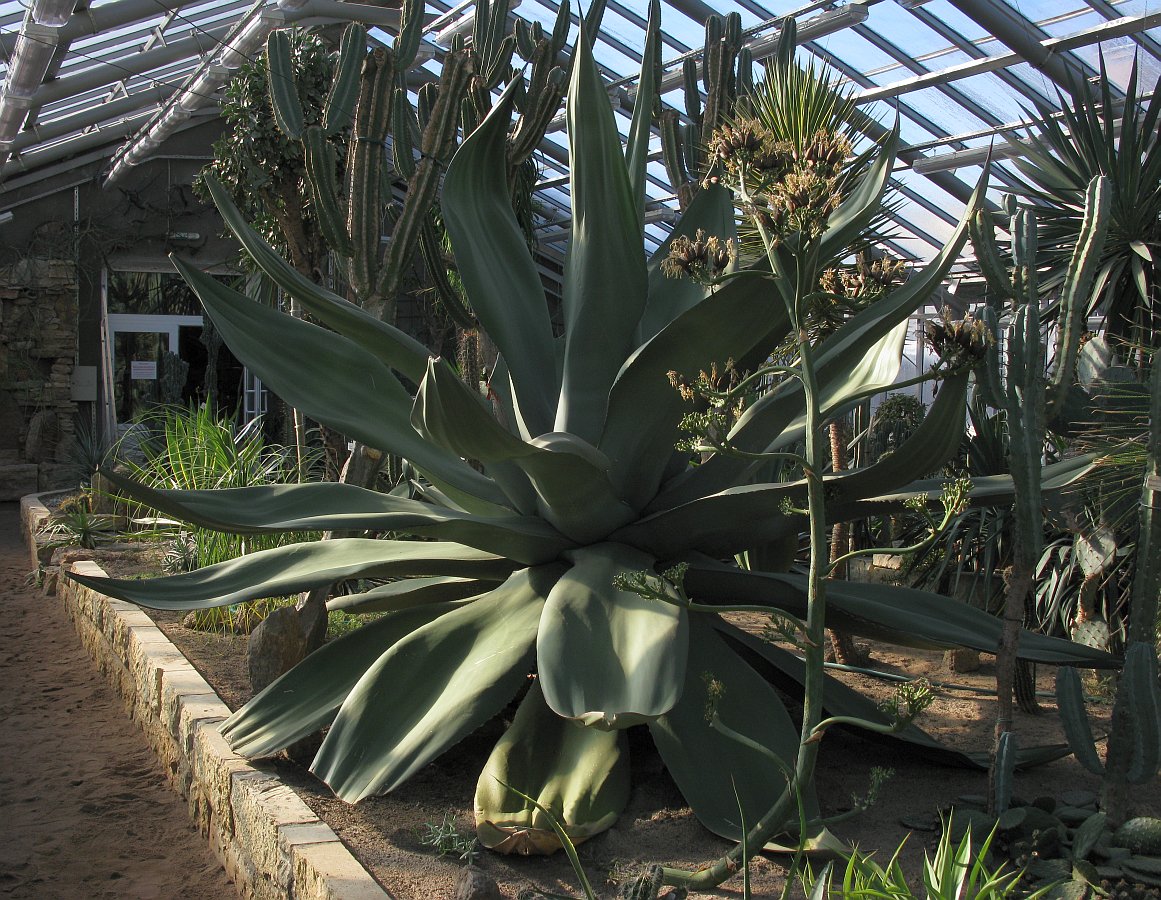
(120, 80)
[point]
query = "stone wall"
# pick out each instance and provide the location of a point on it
(38, 343)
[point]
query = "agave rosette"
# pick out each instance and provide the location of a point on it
(580, 483)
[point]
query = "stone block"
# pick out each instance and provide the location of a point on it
(328, 871)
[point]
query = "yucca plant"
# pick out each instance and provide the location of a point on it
(530, 563)
(1098, 134)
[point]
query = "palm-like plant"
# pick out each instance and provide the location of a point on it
(1060, 157)
(527, 567)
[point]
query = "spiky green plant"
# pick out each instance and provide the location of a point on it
(578, 487)
(1099, 134)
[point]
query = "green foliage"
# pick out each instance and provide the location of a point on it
(196, 449)
(263, 171)
(957, 870)
(74, 523)
(447, 840)
(576, 484)
(895, 420)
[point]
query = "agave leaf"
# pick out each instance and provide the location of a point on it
(307, 697)
(408, 593)
(608, 657)
(776, 420)
(326, 506)
(434, 687)
(734, 519)
(786, 672)
(904, 616)
(987, 490)
(640, 131)
(497, 270)
(580, 774)
(394, 347)
(569, 475)
(326, 376)
(936, 440)
(644, 408)
(711, 210)
(604, 281)
(300, 567)
(706, 763)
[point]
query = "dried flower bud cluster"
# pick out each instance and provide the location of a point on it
(702, 259)
(791, 189)
(725, 405)
(959, 343)
(866, 281)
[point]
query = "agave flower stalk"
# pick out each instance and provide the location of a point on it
(516, 590)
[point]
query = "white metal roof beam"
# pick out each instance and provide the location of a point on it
(1027, 39)
(109, 73)
(1122, 27)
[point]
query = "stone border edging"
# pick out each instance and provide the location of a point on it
(268, 840)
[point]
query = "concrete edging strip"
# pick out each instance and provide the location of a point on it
(269, 841)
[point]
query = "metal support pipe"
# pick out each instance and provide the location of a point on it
(999, 19)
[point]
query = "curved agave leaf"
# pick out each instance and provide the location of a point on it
(720, 524)
(987, 490)
(897, 615)
(569, 475)
(327, 376)
(645, 409)
(936, 440)
(580, 774)
(707, 764)
(777, 420)
(497, 270)
(323, 506)
(607, 657)
(410, 592)
(640, 128)
(786, 672)
(307, 697)
(603, 293)
(300, 567)
(394, 347)
(433, 687)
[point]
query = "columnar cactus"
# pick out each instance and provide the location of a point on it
(727, 75)
(1020, 389)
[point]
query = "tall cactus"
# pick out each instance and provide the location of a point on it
(726, 75)
(1020, 390)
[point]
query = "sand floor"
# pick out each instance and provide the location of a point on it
(85, 809)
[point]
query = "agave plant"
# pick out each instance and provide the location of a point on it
(524, 558)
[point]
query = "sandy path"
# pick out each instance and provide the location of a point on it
(85, 810)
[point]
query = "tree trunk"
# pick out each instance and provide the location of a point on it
(1018, 580)
(846, 652)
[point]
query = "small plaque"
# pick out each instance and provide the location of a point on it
(143, 370)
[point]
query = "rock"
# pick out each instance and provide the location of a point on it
(962, 659)
(476, 884)
(274, 647)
